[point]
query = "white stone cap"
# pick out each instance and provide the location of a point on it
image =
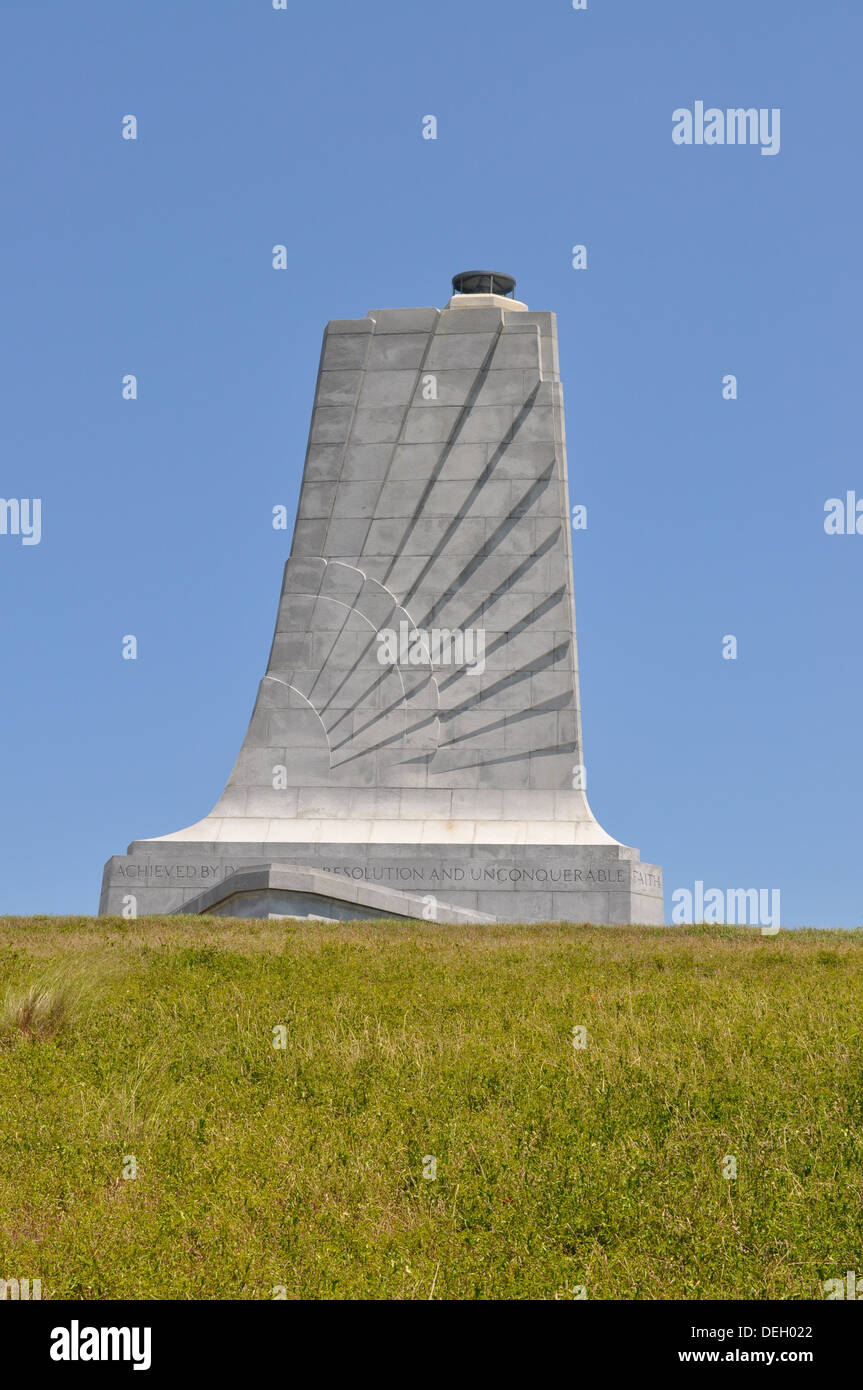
(315, 830)
(485, 301)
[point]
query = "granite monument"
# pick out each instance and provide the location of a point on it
(415, 748)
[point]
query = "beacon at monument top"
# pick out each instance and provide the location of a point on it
(483, 282)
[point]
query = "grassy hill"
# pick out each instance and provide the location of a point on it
(302, 1167)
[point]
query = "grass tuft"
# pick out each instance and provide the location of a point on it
(35, 1012)
(48, 1002)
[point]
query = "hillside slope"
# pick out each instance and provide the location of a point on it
(148, 1047)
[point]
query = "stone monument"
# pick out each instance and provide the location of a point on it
(415, 748)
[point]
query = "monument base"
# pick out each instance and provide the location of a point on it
(602, 884)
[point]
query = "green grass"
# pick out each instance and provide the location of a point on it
(303, 1167)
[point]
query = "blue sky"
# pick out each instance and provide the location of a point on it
(303, 127)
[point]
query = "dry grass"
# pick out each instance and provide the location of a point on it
(37, 1010)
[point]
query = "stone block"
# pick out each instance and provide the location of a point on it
(404, 321)
(336, 327)
(377, 424)
(455, 350)
(338, 388)
(331, 424)
(343, 351)
(388, 388)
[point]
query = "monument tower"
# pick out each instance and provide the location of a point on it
(415, 748)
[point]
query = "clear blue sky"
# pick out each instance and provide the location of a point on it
(303, 127)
